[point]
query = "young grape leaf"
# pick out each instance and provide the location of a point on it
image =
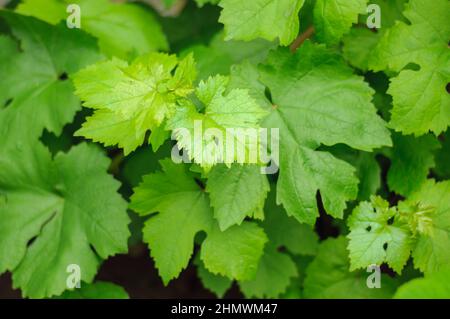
(227, 129)
(377, 235)
(34, 90)
(267, 19)
(334, 18)
(420, 101)
(184, 211)
(67, 210)
(131, 99)
(236, 192)
(123, 30)
(315, 99)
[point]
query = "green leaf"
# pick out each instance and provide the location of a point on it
(420, 100)
(377, 236)
(234, 253)
(334, 18)
(97, 290)
(431, 252)
(219, 55)
(229, 117)
(216, 283)
(327, 276)
(184, 211)
(356, 54)
(284, 231)
(267, 19)
(434, 286)
(306, 118)
(236, 192)
(67, 210)
(123, 30)
(201, 3)
(131, 99)
(32, 71)
(442, 157)
(275, 272)
(411, 159)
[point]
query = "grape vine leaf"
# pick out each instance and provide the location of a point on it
(231, 118)
(218, 284)
(434, 286)
(241, 246)
(184, 211)
(359, 55)
(411, 159)
(307, 117)
(377, 235)
(124, 30)
(420, 101)
(96, 290)
(67, 210)
(327, 276)
(236, 192)
(131, 99)
(33, 70)
(267, 19)
(219, 55)
(275, 272)
(285, 231)
(334, 18)
(442, 157)
(356, 54)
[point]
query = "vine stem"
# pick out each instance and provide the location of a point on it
(302, 38)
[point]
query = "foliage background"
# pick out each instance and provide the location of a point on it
(401, 70)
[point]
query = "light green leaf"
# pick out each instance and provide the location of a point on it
(268, 19)
(236, 192)
(184, 211)
(225, 131)
(377, 235)
(132, 99)
(235, 252)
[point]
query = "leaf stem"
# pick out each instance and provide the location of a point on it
(302, 38)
